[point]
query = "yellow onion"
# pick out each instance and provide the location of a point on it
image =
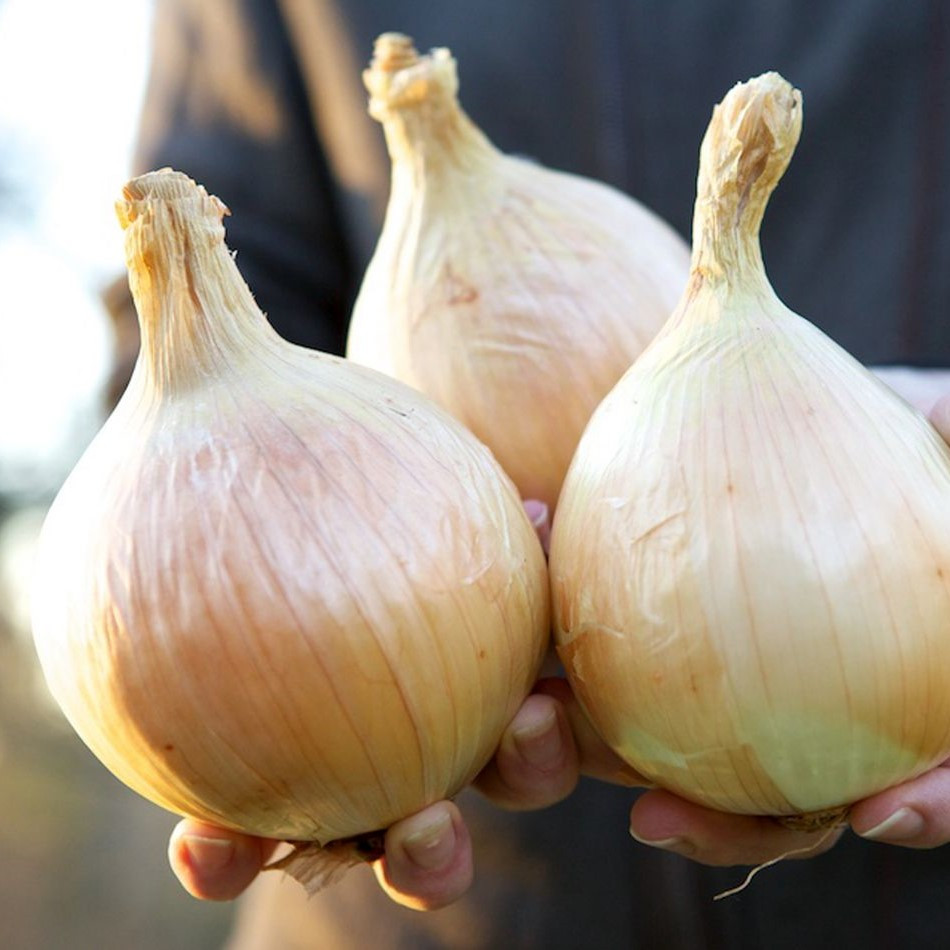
(279, 592)
(751, 557)
(514, 295)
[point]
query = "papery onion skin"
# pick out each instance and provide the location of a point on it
(750, 561)
(279, 592)
(512, 294)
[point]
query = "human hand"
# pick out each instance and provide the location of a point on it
(915, 814)
(428, 856)
(427, 862)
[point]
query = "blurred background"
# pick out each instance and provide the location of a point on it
(82, 859)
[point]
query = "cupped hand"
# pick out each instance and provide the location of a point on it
(915, 814)
(428, 856)
(548, 745)
(427, 862)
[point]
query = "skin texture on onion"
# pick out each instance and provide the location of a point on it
(751, 557)
(281, 593)
(512, 294)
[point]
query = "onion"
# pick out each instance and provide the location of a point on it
(514, 295)
(279, 592)
(751, 557)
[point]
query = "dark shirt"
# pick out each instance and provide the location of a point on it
(855, 238)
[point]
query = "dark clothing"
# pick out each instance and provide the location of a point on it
(262, 103)
(570, 878)
(855, 238)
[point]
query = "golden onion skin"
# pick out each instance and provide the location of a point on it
(279, 592)
(750, 561)
(512, 294)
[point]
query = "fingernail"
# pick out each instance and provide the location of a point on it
(537, 511)
(904, 824)
(681, 846)
(210, 854)
(539, 742)
(432, 846)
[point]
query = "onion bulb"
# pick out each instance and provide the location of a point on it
(514, 295)
(751, 557)
(279, 592)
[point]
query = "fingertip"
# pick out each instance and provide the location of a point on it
(914, 814)
(535, 764)
(939, 416)
(657, 817)
(594, 758)
(540, 736)
(539, 515)
(663, 820)
(428, 861)
(902, 826)
(212, 863)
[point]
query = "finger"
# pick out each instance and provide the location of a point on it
(215, 864)
(666, 821)
(595, 758)
(915, 814)
(939, 416)
(539, 514)
(535, 764)
(428, 861)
